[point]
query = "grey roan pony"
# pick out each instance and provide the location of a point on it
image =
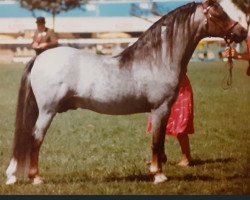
(143, 78)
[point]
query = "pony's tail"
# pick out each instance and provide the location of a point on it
(26, 116)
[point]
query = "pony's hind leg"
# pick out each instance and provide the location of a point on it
(42, 124)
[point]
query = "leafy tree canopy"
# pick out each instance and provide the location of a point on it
(52, 6)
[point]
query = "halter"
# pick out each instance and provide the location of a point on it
(227, 80)
(227, 33)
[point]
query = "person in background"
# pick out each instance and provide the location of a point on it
(180, 123)
(44, 38)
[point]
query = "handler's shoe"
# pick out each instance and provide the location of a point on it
(37, 180)
(185, 163)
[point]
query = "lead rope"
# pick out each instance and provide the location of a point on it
(228, 79)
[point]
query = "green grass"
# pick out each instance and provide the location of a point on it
(88, 153)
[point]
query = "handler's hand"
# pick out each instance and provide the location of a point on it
(43, 45)
(35, 45)
(231, 52)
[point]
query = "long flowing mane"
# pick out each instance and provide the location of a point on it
(149, 44)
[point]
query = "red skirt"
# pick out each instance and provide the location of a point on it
(182, 115)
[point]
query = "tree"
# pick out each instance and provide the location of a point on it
(52, 6)
(244, 6)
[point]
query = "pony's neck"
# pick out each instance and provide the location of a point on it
(186, 37)
(170, 41)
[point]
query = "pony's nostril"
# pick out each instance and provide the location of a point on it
(244, 32)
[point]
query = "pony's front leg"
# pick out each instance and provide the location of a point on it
(42, 124)
(158, 149)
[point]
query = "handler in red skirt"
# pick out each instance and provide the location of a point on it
(180, 122)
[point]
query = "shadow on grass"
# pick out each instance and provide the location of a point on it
(146, 178)
(131, 178)
(191, 177)
(149, 178)
(188, 177)
(197, 162)
(83, 177)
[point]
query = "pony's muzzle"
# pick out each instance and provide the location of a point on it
(238, 34)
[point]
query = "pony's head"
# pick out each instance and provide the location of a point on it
(218, 24)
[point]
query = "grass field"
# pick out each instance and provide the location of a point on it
(89, 153)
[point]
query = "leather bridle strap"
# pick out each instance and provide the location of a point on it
(229, 33)
(227, 37)
(226, 33)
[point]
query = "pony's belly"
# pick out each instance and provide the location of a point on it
(119, 108)
(122, 107)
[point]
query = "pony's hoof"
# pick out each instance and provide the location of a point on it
(37, 181)
(160, 178)
(11, 180)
